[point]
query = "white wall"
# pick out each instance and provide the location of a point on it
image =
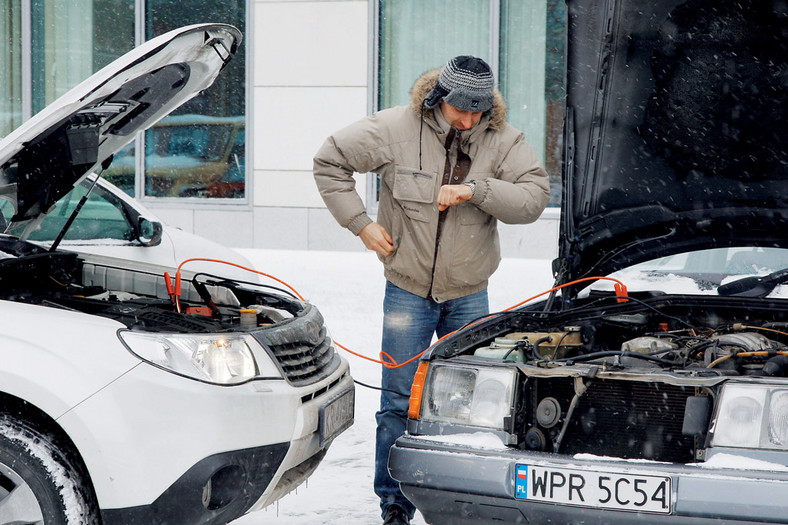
(310, 63)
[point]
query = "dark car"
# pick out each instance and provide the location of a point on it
(650, 385)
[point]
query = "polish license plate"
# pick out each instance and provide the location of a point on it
(585, 488)
(336, 415)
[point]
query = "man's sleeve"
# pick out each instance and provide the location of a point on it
(352, 149)
(519, 191)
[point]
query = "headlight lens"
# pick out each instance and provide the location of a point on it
(752, 416)
(468, 395)
(217, 358)
(778, 418)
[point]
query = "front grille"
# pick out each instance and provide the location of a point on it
(301, 347)
(626, 419)
(302, 360)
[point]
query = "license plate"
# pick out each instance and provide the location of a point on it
(336, 415)
(585, 488)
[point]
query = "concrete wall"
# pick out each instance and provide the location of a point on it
(309, 63)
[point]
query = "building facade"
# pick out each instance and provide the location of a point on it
(235, 163)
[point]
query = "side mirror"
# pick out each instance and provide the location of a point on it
(149, 232)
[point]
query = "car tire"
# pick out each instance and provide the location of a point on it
(39, 484)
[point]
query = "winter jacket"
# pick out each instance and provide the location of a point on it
(405, 145)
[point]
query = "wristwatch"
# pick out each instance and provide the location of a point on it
(472, 185)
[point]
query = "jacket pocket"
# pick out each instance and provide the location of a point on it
(414, 190)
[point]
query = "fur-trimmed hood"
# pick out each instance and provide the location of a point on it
(427, 81)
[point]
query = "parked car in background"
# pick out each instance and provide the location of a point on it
(131, 392)
(185, 155)
(659, 393)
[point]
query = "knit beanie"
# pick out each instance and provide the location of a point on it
(466, 83)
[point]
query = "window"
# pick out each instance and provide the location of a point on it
(67, 42)
(102, 217)
(198, 152)
(11, 72)
(523, 41)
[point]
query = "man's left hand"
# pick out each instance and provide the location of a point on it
(452, 194)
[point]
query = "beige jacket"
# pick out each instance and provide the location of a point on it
(406, 147)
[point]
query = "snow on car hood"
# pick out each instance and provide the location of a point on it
(52, 152)
(675, 135)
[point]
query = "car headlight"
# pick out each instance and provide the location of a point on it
(216, 358)
(752, 416)
(468, 395)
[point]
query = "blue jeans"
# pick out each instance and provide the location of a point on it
(409, 322)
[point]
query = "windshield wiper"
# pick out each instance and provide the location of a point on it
(754, 286)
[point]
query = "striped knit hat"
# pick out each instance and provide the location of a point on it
(466, 83)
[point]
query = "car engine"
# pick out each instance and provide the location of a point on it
(292, 330)
(636, 380)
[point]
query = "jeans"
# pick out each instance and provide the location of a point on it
(409, 322)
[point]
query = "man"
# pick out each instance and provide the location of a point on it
(450, 167)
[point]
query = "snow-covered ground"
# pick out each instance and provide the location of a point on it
(347, 287)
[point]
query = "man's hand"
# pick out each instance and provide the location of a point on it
(452, 194)
(376, 238)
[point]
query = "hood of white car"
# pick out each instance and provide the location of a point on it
(675, 132)
(49, 154)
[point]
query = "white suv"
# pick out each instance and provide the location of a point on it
(125, 395)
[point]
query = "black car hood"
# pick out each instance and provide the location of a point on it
(49, 154)
(676, 130)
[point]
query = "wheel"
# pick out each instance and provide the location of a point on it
(38, 483)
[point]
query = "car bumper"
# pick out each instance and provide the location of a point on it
(459, 484)
(161, 448)
(215, 490)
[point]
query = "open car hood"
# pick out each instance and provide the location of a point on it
(676, 130)
(49, 154)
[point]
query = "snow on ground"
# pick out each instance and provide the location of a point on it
(347, 287)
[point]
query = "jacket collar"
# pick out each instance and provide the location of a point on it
(438, 122)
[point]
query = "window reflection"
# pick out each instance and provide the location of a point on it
(200, 150)
(101, 217)
(11, 72)
(187, 155)
(71, 40)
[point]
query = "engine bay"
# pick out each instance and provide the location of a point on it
(637, 379)
(141, 300)
(703, 335)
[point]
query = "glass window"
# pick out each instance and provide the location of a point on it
(11, 72)
(531, 74)
(61, 54)
(113, 34)
(68, 41)
(199, 151)
(101, 217)
(417, 36)
(189, 155)
(71, 39)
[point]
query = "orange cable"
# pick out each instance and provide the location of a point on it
(621, 293)
(178, 274)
